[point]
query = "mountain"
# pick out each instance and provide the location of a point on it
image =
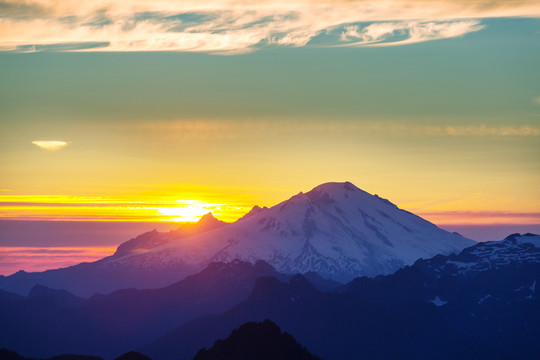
(49, 322)
(335, 230)
(62, 297)
(152, 239)
(5, 295)
(111, 273)
(262, 341)
(482, 303)
(505, 270)
(133, 355)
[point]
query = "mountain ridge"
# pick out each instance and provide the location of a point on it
(49, 322)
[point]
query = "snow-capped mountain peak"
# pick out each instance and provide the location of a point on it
(336, 230)
(152, 239)
(208, 218)
(254, 210)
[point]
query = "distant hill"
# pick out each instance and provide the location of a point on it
(261, 341)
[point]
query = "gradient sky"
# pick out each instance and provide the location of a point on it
(166, 111)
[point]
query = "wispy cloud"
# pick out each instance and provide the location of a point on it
(484, 130)
(460, 130)
(480, 217)
(50, 145)
(233, 26)
(233, 130)
(401, 33)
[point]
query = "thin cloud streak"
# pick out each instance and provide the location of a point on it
(483, 214)
(227, 130)
(229, 27)
(480, 217)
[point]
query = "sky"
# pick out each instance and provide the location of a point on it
(136, 111)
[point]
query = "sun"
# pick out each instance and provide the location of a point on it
(187, 210)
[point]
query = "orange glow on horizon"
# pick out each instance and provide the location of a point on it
(70, 208)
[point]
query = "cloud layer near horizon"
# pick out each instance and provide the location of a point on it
(237, 26)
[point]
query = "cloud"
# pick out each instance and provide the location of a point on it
(232, 130)
(488, 214)
(237, 26)
(401, 33)
(537, 100)
(484, 130)
(393, 129)
(50, 145)
(480, 217)
(14, 259)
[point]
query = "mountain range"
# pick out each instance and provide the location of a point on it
(482, 303)
(48, 322)
(335, 230)
(459, 302)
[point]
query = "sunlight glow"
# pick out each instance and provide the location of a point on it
(92, 208)
(188, 210)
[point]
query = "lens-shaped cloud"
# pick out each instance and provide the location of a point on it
(50, 145)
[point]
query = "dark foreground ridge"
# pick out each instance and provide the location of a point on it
(262, 341)
(6, 354)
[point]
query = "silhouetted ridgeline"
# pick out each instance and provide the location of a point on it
(6, 354)
(133, 355)
(261, 341)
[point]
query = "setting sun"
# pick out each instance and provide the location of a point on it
(188, 210)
